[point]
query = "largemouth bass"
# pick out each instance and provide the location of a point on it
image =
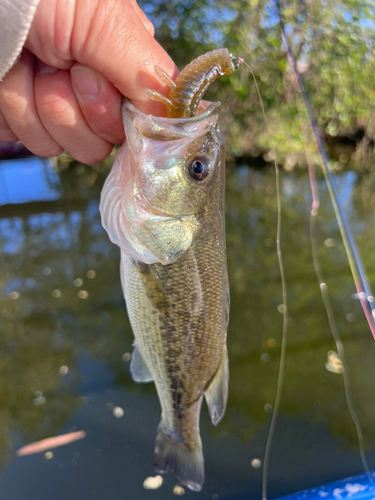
(163, 205)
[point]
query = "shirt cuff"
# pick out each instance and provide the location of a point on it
(16, 18)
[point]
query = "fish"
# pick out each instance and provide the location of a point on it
(163, 205)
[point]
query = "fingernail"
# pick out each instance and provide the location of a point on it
(85, 82)
(44, 69)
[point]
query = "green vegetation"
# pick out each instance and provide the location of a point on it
(334, 44)
(45, 247)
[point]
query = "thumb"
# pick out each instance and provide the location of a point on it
(119, 43)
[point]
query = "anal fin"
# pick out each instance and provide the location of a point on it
(217, 392)
(138, 367)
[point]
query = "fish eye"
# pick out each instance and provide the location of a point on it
(198, 168)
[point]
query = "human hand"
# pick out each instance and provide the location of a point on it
(89, 53)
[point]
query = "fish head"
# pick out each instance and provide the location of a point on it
(168, 177)
(177, 165)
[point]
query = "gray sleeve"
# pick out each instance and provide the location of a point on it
(15, 20)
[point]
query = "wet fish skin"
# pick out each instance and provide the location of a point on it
(178, 296)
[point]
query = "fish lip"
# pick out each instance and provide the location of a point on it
(209, 109)
(162, 129)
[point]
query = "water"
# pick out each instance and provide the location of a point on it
(65, 339)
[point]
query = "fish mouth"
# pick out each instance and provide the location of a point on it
(166, 129)
(208, 109)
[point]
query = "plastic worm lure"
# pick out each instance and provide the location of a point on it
(193, 81)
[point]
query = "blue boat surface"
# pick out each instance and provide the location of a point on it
(361, 487)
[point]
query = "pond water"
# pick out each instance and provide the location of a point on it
(66, 341)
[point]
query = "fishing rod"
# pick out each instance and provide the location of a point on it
(364, 293)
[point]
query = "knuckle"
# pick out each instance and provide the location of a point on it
(9, 101)
(39, 142)
(6, 133)
(46, 152)
(92, 155)
(54, 104)
(150, 27)
(8, 137)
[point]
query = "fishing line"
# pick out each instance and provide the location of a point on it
(325, 295)
(339, 347)
(280, 380)
(355, 262)
(297, 83)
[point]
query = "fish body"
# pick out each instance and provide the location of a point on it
(163, 205)
(170, 228)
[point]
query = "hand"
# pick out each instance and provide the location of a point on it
(80, 57)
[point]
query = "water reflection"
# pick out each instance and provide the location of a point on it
(65, 342)
(34, 179)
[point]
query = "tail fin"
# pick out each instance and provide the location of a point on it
(172, 455)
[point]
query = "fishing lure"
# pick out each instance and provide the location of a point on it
(193, 81)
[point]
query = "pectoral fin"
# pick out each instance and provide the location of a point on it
(167, 237)
(217, 392)
(138, 367)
